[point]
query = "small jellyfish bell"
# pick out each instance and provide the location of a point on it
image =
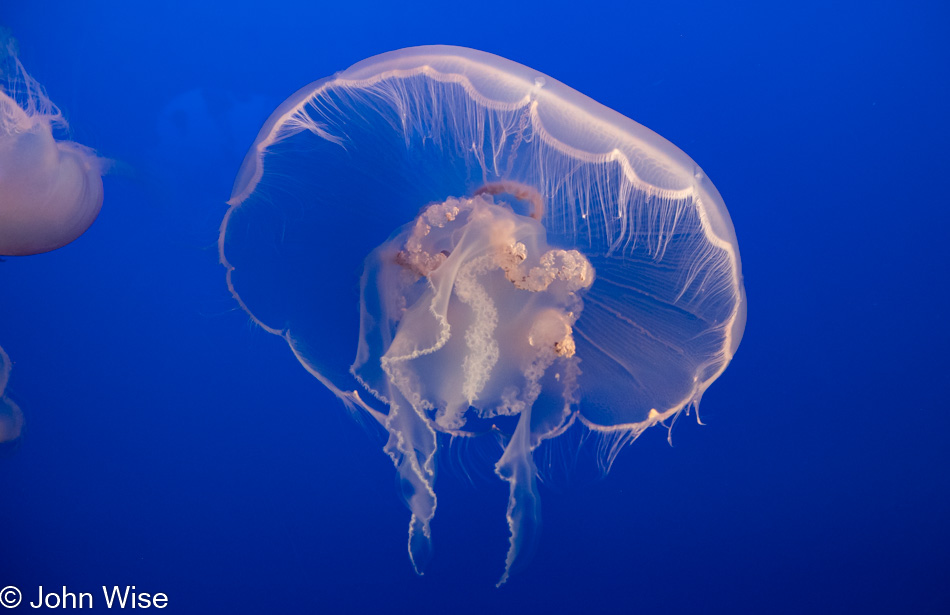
(460, 246)
(50, 191)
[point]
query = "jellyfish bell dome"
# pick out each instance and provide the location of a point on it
(455, 243)
(50, 190)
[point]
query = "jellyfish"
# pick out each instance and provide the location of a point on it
(461, 247)
(50, 190)
(11, 417)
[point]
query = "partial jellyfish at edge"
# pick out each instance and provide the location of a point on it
(11, 417)
(50, 190)
(460, 246)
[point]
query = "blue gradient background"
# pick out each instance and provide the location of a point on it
(171, 446)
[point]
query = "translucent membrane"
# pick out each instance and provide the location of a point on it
(455, 243)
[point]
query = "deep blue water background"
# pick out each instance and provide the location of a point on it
(172, 446)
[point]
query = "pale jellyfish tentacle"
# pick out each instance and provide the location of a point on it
(486, 266)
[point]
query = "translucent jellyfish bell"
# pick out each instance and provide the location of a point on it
(50, 191)
(455, 243)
